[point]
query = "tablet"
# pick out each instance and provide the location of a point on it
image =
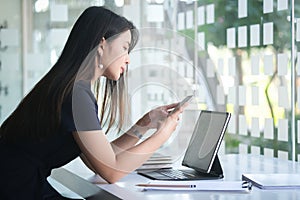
(206, 140)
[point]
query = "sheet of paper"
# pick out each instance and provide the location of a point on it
(157, 161)
(282, 5)
(269, 153)
(268, 33)
(242, 125)
(200, 14)
(283, 97)
(255, 127)
(189, 19)
(268, 65)
(242, 36)
(242, 95)
(268, 6)
(231, 38)
(282, 64)
(283, 130)
(284, 155)
(254, 35)
(268, 129)
(210, 14)
(255, 150)
(255, 64)
(181, 21)
(242, 8)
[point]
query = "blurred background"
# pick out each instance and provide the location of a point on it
(239, 56)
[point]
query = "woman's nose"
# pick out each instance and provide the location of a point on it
(127, 59)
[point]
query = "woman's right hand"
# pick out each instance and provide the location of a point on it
(169, 124)
(154, 118)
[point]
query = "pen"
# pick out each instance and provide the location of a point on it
(163, 185)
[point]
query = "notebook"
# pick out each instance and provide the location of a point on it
(273, 181)
(201, 154)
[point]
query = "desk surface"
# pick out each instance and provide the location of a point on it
(234, 165)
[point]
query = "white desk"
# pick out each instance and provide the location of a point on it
(234, 165)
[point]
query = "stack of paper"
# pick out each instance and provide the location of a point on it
(157, 161)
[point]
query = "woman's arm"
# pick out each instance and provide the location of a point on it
(149, 121)
(128, 139)
(111, 166)
(86, 162)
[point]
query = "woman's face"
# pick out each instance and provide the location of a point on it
(115, 55)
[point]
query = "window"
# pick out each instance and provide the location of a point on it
(233, 55)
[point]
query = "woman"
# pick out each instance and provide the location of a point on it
(58, 120)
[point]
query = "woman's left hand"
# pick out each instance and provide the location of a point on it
(153, 118)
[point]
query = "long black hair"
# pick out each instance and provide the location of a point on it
(38, 114)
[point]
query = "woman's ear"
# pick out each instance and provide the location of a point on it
(102, 43)
(101, 46)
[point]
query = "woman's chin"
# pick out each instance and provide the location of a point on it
(115, 78)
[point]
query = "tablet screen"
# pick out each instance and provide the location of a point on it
(206, 139)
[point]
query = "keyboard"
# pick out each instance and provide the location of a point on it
(175, 174)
